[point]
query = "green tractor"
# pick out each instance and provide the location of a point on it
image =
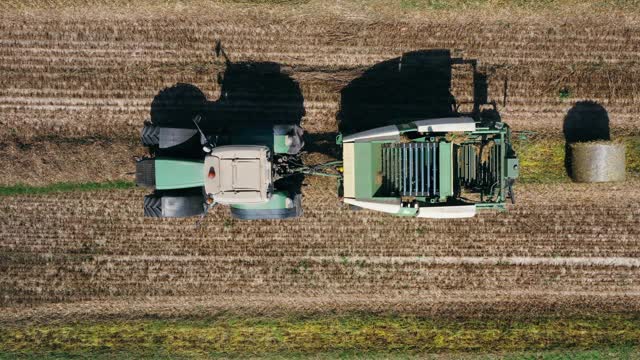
(246, 168)
(433, 168)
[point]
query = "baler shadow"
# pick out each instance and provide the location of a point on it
(585, 121)
(416, 85)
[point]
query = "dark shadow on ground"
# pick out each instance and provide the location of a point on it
(324, 143)
(258, 93)
(176, 105)
(252, 94)
(414, 85)
(585, 121)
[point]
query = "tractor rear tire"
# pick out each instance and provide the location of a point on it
(146, 173)
(153, 206)
(150, 135)
(270, 214)
(173, 205)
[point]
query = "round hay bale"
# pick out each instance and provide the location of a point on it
(599, 161)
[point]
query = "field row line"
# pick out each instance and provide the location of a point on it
(31, 100)
(319, 33)
(598, 54)
(444, 260)
(56, 46)
(561, 109)
(74, 107)
(313, 59)
(139, 94)
(612, 56)
(517, 104)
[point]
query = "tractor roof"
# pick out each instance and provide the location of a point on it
(238, 174)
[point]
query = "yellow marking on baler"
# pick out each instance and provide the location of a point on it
(348, 162)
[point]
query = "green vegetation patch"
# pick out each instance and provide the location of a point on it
(615, 353)
(633, 155)
(302, 336)
(21, 189)
(543, 161)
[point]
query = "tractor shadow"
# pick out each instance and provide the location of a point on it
(177, 105)
(416, 85)
(585, 121)
(252, 94)
(323, 143)
(257, 94)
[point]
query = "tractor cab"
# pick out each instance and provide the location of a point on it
(238, 174)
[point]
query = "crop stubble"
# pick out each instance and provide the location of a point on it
(559, 248)
(79, 74)
(74, 90)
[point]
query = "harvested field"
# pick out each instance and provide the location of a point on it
(77, 79)
(91, 71)
(562, 247)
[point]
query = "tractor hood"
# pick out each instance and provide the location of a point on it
(238, 174)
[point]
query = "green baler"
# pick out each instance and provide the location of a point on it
(434, 168)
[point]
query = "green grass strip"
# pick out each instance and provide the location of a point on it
(21, 189)
(347, 334)
(542, 161)
(615, 353)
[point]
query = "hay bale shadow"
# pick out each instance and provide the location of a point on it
(585, 121)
